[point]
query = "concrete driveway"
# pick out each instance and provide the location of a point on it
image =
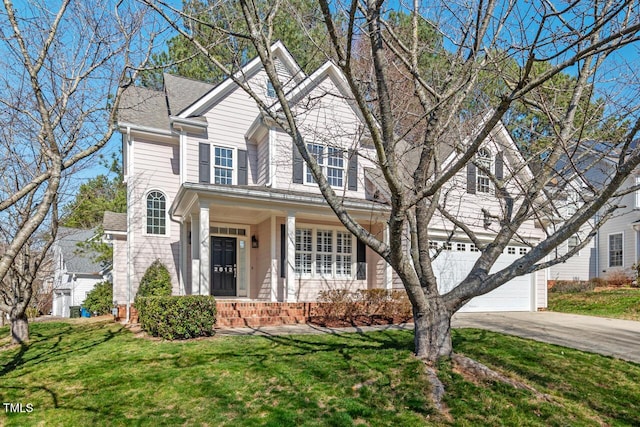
(610, 337)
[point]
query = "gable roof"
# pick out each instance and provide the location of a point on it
(76, 261)
(212, 97)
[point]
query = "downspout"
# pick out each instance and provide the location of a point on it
(270, 143)
(129, 234)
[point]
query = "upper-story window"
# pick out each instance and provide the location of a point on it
(156, 213)
(483, 183)
(223, 166)
(637, 193)
(271, 91)
(330, 160)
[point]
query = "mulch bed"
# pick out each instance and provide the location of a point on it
(361, 320)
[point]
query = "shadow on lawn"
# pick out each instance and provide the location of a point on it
(51, 344)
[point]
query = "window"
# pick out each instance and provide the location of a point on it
(223, 166)
(343, 253)
(446, 246)
(271, 91)
(324, 250)
(317, 152)
(573, 200)
(335, 167)
(638, 193)
(304, 249)
(473, 248)
(331, 161)
(324, 253)
(156, 213)
(433, 245)
(615, 250)
(522, 251)
(572, 243)
(461, 247)
(483, 184)
(511, 250)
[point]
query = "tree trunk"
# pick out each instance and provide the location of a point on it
(432, 332)
(19, 328)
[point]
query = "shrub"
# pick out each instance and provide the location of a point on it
(572, 286)
(156, 281)
(618, 279)
(100, 298)
(344, 305)
(177, 317)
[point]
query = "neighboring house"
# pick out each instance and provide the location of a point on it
(221, 196)
(615, 246)
(75, 272)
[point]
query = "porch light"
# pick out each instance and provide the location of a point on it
(254, 242)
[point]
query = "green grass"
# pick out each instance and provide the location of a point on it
(616, 303)
(100, 374)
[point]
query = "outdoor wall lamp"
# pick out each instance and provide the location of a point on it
(254, 242)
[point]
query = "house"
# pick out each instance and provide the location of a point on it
(75, 272)
(615, 246)
(221, 196)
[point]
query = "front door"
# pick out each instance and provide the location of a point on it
(223, 266)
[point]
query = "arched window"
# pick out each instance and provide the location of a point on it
(483, 161)
(156, 213)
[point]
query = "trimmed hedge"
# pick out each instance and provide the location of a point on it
(100, 298)
(177, 317)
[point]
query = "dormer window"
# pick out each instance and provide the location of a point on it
(484, 162)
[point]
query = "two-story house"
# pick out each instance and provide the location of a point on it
(221, 196)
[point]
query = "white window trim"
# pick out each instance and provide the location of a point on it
(325, 167)
(167, 230)
(637, 193)
(234, 168)
(577, 243)
(609, 249)
(491, 160)
(314, 251)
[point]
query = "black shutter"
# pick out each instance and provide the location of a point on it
(298, 165)
(283, 250)
(242, 168)
(361, 258)
(204, 156)
(352, 171)
(471, 178)
(499, 166)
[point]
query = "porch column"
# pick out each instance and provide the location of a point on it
(195, 254)
(291, 291)
(205, 255)
(182, 274)
(274, 261)
(388, 271)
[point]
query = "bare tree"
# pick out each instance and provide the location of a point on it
(64, 70)
(430, 122)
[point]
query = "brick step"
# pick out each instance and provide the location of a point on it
(260, 313)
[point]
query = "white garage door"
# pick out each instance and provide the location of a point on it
(452, 266)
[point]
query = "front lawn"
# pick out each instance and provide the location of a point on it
(615, 303)
(100, 374)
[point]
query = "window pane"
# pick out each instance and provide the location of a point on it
(484, 162)
(223, 166)
(156, 213)
(615, 250)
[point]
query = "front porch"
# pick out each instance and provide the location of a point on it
(273, 246)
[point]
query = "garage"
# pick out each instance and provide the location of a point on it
(453, 264)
